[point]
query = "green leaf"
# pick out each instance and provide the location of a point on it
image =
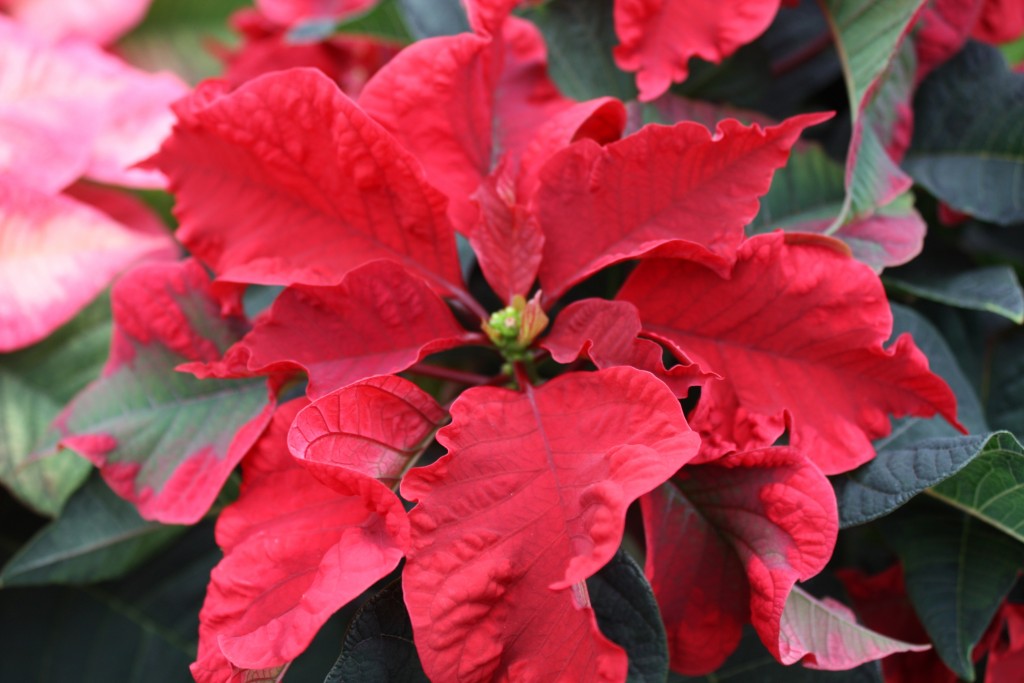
(752, 663)
(379, 646)
(35, 383)
(176, 34)
(432, 18)
(384, 20)
(807, 192)
(628, 615)
(580, 35)
(141, 629)
(879, 74)
(957, 571)
(867, 33)
(968, 146)
(896, 475)
(993, 288)
(99, 536)
(991, 486)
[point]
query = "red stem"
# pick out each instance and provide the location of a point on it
(438, 372)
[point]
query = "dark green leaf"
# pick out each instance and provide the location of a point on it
(991, 486)
(898, 474)
(383, 21)
(580, 35)
(35, 383)
(99, 536)
(968, 146)
(139, 630)
(752, 663)
(1006, 383)
(379, 647)
(957, 571)
(994, 288)
(431, 18)
(628, 615)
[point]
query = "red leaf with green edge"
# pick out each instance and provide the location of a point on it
(296, 549)
(163, 439)
(868, 35)
(689, 193)
(748, 525)
(381, 319)
(56, 255)
(373, 427)
(295, 151)
(824, 634)
(528, 503)
(608, 332)
(659, 37)
(288, 12)
(801, 342)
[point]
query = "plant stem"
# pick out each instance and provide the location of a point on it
(436, 371)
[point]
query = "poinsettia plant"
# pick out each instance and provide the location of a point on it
(577, 340)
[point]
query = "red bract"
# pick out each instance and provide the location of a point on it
(266, 47)
(659, 37)
(800, 345)
(296, 548)
(353, 193)
(690, 193)
(529, 502)
(374, 427)
(487, 98)
(379, 319)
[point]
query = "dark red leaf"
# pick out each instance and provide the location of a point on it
(286, 181)
(801, 337)
(163, 439)
(681, 190)
(379, 320)
(296, 549)
(372, 427)
(746, 526)
(528, 503)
